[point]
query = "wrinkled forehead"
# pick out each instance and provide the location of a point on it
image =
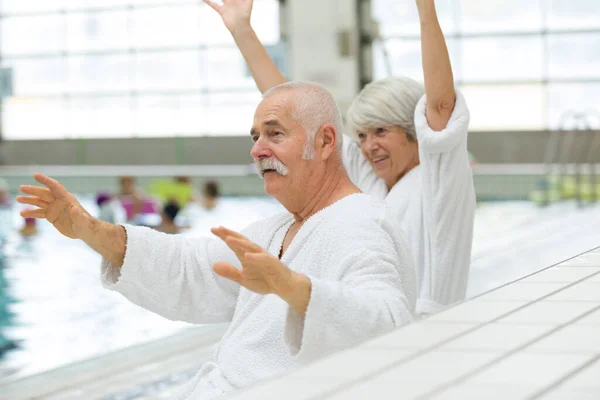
(275, 107)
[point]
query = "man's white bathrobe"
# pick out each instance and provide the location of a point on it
(433, 204)
(363, 284)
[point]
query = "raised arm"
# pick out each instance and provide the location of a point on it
(236, 16)
(437, 70)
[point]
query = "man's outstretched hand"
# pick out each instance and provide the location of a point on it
(262, 272)
(57, 205)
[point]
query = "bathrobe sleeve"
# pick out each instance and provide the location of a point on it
(360, 171)
(375, 295)
(172, 276)
(448, 208)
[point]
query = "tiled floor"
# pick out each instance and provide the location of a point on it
(537, 338)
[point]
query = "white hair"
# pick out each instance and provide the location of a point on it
(314, 107)
(386, 102)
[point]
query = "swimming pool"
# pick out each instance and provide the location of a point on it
(53, 310)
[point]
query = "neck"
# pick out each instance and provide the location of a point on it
(335, 186)
(409, 167)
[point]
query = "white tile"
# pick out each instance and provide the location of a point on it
(285, 389)
(419, 376)
(496, 337)
(570, 339)
(419, 335)
(585, 379)
(561, 274)
(438, 367)
(592, 319)
(548, 313)
(476, 311)
(584, 260)
(595, 278)
(572, 394)
(469, 390)
(378, 391)
(531, 369)
(584, 291)
(350, 364)
(523, 291)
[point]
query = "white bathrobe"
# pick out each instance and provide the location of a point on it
(363, 284)
(433, 204)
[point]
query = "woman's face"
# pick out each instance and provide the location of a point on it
(390, 152)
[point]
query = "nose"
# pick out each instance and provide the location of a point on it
(371, 143)
(261, 150)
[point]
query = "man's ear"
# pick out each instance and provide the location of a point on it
(326, 141)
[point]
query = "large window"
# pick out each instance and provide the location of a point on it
(521, 64)
(118, 68)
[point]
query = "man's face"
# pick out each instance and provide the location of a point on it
(278, 148)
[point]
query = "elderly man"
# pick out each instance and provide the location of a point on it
(331, 272)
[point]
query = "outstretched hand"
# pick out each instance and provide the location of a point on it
(235, 13)
(57, 205)
(261, 272)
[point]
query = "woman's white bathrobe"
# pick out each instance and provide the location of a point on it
(433, 204)
(363, 284)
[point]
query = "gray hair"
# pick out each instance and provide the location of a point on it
(386, 102)
(314, 107)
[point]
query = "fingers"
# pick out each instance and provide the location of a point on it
(242, 245)
(37, 213)
(42, 193)
(228, 271)
(223, 233)
(214, 6)
(55, 187)
(32, 200)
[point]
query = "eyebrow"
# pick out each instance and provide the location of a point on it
(269, 122)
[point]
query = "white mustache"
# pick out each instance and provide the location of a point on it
(264, 164)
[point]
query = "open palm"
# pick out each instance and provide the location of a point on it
(55, 204)
(233, 12)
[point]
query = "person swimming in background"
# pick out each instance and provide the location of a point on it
(210, 194)
(30, 227)
(168, 215)
(5, 200)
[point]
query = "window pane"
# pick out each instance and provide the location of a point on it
(226, 68)
(265, 21)
(38, 75)
(231, 113)
(573, 97)
(100, 73)
(573, 14)
(32, 34)
(98, 31)
(574, 55)
(505, 107)
(27, 118)
(22, 6)
(170, 115)
(500, 15)
(404, 58)
(166, 26)
(100, 117)
(502, 58)
(212, 30)
(79, 4)
(401, 17)
(170, 70)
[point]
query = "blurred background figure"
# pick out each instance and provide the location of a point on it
(168, 216)
(5, 200)
(29, 228)
(135, 202)
(210, 194)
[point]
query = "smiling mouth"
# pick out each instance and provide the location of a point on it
(265, 171)
(380, 159)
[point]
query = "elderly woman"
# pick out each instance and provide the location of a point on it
(409, 146)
